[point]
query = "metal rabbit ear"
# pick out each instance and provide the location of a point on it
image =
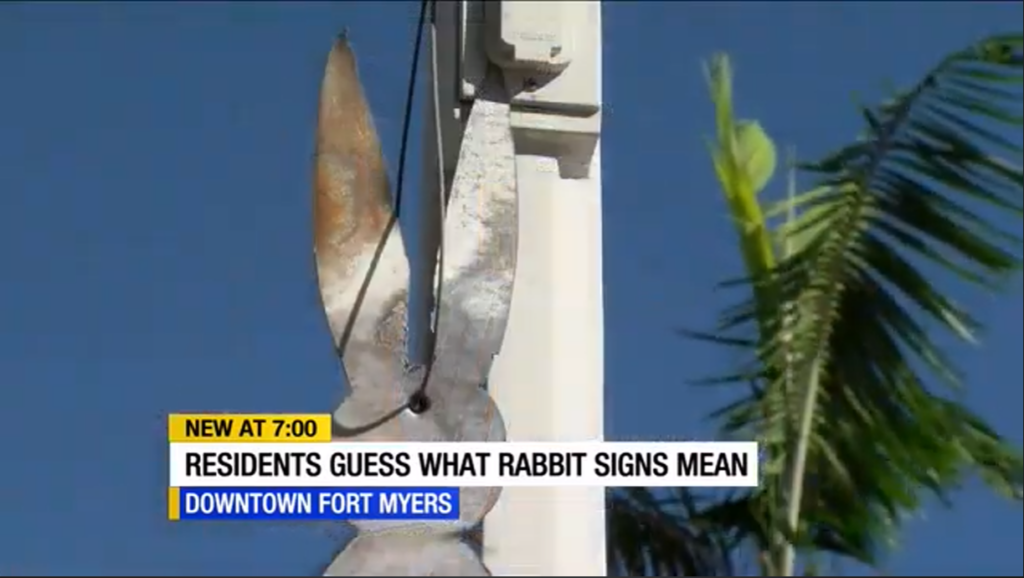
(363, 275)
(361, 264)
(478, 255)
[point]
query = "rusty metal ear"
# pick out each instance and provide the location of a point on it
(361, 265)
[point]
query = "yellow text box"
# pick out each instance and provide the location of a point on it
(255, 427)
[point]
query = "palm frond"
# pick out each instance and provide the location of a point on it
(663, 532)
(846, 322)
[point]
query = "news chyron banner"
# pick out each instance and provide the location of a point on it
(286, 467)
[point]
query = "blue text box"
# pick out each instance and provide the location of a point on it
(319, 504)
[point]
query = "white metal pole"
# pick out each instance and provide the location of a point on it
(548, 379)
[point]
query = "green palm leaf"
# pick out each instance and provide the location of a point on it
(663, 532)
(846, 310)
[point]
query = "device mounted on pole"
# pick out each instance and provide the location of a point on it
(549, 54)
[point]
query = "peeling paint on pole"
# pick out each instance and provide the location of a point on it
(363, 273)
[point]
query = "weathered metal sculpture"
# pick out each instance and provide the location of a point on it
(363, 274)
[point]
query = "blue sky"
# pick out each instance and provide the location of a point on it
(155, 244)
